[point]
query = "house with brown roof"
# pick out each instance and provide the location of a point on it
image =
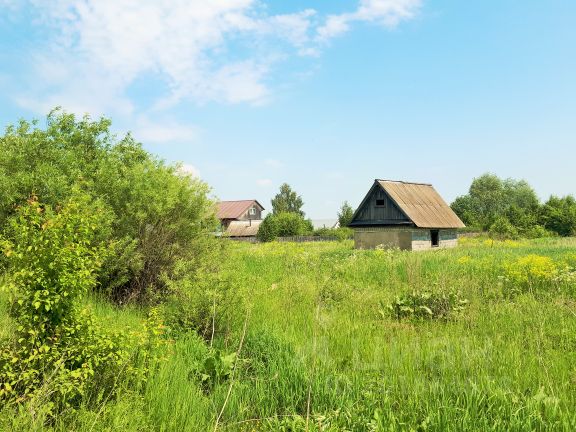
(409, 216)
(240, 219)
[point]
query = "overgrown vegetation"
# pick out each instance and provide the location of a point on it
(491, 320)
(510, 209)
(158, 214)
(57, 349)
(207, 334)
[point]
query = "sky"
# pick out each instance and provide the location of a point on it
(324, 95)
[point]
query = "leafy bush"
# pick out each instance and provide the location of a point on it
(559, 215)
(283, 224)
(537, 231)
(291, 224)
(341, 233)
(502, 229)
(58, 349)
(427, 305)
(159, 216)
(268, 230)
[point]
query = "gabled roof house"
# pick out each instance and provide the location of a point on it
(240, 219)
(409, 216)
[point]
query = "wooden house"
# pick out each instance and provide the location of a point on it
(240, 219)
(409, 216)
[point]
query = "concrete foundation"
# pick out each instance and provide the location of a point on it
(415, 239)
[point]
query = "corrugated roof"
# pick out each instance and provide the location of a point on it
(234, 209)
(422, 204)
(243, 228)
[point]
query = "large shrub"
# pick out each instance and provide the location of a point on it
(58, 350)
(268, 229)
(284, 224)
(159, 215)
(559, 215)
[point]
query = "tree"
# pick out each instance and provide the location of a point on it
(559, 215)
(345, 214)
(491, 198)
(159, 215)
(268, 229)
(291, 224)
(287, 201)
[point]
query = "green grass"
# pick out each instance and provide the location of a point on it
(321, 352)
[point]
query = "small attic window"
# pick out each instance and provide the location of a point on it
(252, 211)
(380, 203)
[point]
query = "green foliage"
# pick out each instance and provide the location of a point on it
(287, 201)
(291, 224)
(340, 234)
(285, 224)
(427, 305)
(345, 214)
(58, 349)
(268, 229)
(506, 208)
(502, 229)
(159, 215)
(215, 369)
(559, 215)
(318, 355)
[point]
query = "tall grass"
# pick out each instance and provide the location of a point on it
(322, 353)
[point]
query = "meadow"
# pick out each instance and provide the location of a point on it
(322, 337)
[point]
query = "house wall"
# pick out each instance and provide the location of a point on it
(415, 239)
(247, 216)
(371, 237)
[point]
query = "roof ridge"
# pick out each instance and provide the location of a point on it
(403, 182)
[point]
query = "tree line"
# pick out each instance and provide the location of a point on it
(511, 208)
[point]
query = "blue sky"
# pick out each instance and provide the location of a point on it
(323, 95)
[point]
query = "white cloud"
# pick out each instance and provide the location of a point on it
(264, 182)
(388, 13)
(217, 50)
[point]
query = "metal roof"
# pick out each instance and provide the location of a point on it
(235, 209)
(422, 204)
(243, 228)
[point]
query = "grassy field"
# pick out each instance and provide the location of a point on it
(319, 348)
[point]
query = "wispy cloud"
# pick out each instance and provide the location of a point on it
(219, 50)
(388, 13)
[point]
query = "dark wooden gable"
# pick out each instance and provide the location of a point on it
(378, 208)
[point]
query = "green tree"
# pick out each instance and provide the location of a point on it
(287, 201)
(291, 224)
(268, 229)
(502, 229)
(345, 214)
(283, 224)
(559, 215)
(491, 198)
(159, 215)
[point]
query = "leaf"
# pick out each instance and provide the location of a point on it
(427, 310)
